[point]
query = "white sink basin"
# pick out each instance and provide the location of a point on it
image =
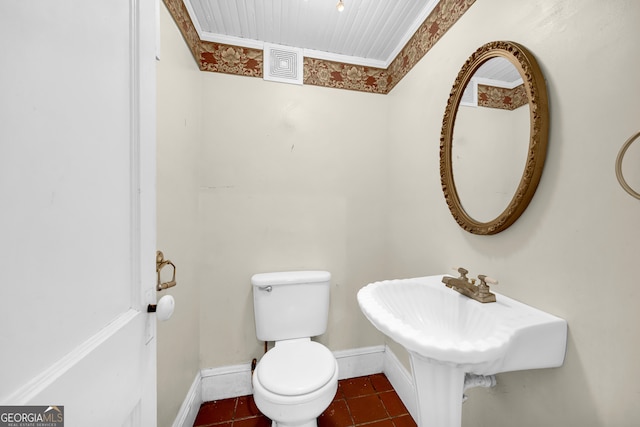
(438, 323)
(448, 334)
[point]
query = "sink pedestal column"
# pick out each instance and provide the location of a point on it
(439, 388)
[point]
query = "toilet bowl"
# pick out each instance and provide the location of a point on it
(295, 381)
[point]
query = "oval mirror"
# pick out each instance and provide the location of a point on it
(494, 137)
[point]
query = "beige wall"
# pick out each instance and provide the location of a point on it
(257, 176)
(179, 133)
(575, 250)
(293, 177)
(254, 177)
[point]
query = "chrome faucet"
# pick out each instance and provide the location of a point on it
(468, 287)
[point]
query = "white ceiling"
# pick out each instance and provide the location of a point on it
(498, 72)
(367, 32)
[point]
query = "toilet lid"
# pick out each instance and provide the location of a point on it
(292, 369)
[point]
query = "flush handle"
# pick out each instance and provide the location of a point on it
(266, 288)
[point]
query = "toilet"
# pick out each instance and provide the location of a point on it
(297, 379)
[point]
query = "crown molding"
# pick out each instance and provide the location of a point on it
(223, 56)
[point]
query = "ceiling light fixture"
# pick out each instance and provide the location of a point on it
(340, 6)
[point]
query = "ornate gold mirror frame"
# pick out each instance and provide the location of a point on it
(536, 91)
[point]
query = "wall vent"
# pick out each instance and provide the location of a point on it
(283, 64)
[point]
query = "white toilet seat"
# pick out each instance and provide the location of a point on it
(296, 368)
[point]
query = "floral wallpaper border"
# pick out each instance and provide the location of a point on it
(221, 58)
(505, 99)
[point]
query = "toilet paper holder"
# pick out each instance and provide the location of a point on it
(160, 264)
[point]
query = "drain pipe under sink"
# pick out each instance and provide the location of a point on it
(473, 380)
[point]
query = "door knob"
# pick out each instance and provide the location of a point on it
(164, 308)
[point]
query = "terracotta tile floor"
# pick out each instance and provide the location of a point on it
(363, 401)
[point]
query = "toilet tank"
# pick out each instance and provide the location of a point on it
(292, 304)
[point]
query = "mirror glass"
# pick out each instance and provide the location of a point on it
(494, 137)
(490, 139)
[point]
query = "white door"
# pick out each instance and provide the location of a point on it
(77, 208)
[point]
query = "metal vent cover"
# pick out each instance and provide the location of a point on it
(283, 64)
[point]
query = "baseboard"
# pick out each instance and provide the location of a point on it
(232, 381)
(191, 405)
(226, 382)
(360, 361)
(401, 380)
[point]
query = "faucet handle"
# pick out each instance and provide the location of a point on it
(484, 292)
(463, 271)
(484, 280)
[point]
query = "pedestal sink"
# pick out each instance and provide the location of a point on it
(448, 334)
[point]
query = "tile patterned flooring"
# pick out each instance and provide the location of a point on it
(367, 401)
